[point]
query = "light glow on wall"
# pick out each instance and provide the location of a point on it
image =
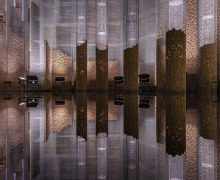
(81, 155)
(132, 23)
(102, 24)
(102, 156)
(176, 14)
(207, 21)
(176, 167)
(81, 22)
(206, 159)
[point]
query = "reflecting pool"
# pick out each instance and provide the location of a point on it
(83, 136)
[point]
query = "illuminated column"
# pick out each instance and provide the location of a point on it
(131, 135)
(207, 44)
(176, 48)
(81, 124)
(102, 46)
(102, 134)
(131, 51)
(161, 48)
(81, 62)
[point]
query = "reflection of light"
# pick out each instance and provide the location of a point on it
(207, 17)
(101, 33)
(101, 4)
(175, 179)
(101, 148)
(22, 103)
(81, 17)
(207, 165)
(176, 3)
(81, 41)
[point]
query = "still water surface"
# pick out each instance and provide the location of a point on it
(103, 136)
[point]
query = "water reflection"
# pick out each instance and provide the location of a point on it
(107, 136)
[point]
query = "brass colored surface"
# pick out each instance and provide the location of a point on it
(131, 69)
(175, 61)
(176, 125)
(101, 113)
(208, 68)
(161, 64)
(131, 115)
(101, 69)
(81, 67)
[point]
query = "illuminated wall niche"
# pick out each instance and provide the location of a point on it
(131, 51)
(81, 53)
(175, 47)
(102, 46)
(207, 43)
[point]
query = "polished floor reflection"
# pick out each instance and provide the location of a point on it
(108, 136)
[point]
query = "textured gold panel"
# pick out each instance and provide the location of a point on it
(131, 115)
(175, 61)
(101, 113)
(81, 67)
(192, 60)
(131, 69)
(81, 114)
(101, 69)
(161, 64)
(192, 119)
(57, 64)
(176, 125)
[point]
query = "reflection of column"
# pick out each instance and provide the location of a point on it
(176, 125)
(207, 43)
(131, 51)
(176, 167)
(161, 121)
(102, 132)
(132, 134)
(81, 62)
(81, 123)
(102, 48)
(176, 48)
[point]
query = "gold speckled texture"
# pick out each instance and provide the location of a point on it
(176, 125)
(81, 67)
(101, 69)
(191, 36)
(58, 64)
(175, 61)
(192, 120)
(101, 113)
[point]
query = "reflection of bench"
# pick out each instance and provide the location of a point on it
(32, 80)
(144, 102)
(144, 79)
(59, 100)
(119, 80)
(118, 100)
(7, 84)
(59, 82)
